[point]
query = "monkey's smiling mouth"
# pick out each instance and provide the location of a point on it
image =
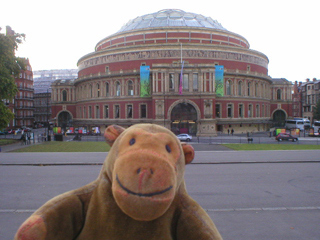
(141, 194)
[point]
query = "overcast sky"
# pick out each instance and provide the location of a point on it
(60, 32)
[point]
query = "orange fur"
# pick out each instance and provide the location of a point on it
(139, 195)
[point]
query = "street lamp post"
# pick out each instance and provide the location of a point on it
(48, 115)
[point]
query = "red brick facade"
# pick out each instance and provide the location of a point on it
(107, 90)
(22, 106)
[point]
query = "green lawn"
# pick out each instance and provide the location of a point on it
(249, 147)
(56, 146)
(7, 141)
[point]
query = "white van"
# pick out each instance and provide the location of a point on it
(316, 126)
(301, 123)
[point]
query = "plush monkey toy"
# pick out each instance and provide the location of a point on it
(139, 194)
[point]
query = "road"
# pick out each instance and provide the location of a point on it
(249, 195)
(222, 138)
(201, 157)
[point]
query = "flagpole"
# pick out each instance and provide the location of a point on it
(181, 51)
(181, 74)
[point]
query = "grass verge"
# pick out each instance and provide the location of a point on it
(67, 147)
(55, 146)
(7, 141)
(250, 147)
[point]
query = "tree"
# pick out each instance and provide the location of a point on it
(316, 111)
(10, 66)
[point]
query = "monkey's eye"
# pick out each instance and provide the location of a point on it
(168, 148)
(132, 141)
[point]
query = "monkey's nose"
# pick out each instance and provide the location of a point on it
(144, 171)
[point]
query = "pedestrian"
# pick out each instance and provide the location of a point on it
(23, 139)
(29, 138)
(232, 131)
(228, 131)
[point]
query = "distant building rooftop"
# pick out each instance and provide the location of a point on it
(43, 79)
(64, 82)
(280, 81)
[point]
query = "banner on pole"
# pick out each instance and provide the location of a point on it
(219, 81)
(145, 86)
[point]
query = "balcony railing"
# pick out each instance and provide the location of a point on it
(24, 98)
(108, 74)
(242, 72)
(24, 117)
(135, 71)
(24, 107)
(42, 113)
(25, 88)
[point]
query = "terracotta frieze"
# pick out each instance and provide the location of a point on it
(165, 54)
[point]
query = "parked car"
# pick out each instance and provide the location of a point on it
(11, 131)
(286, 136)
(3, 132)
(184, 137)
(26, 129)
(18, 130)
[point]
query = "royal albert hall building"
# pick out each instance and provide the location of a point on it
(164, 46)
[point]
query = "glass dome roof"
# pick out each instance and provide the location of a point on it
(171, 18)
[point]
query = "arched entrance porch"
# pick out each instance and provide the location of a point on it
(184, 118)
(279, 117)
(64, 119)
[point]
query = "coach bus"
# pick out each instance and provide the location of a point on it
(301, 123)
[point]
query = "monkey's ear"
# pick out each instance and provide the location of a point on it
(112, 133)
(188, 152)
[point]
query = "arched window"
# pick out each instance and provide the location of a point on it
(185, 81)
(279, 94)
(91, 93)
(98, 90)
(249, 85)
(250, 113)
(89, 112)
(64, 95)
(257, 111)
(171, 81)
(239, 88)
(107, 90)
(195, 81)
(228, 87)
(118, 89)
(130, 88)
(256, 90)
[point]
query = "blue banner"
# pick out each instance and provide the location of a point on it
(219, 80)
(145, 86)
